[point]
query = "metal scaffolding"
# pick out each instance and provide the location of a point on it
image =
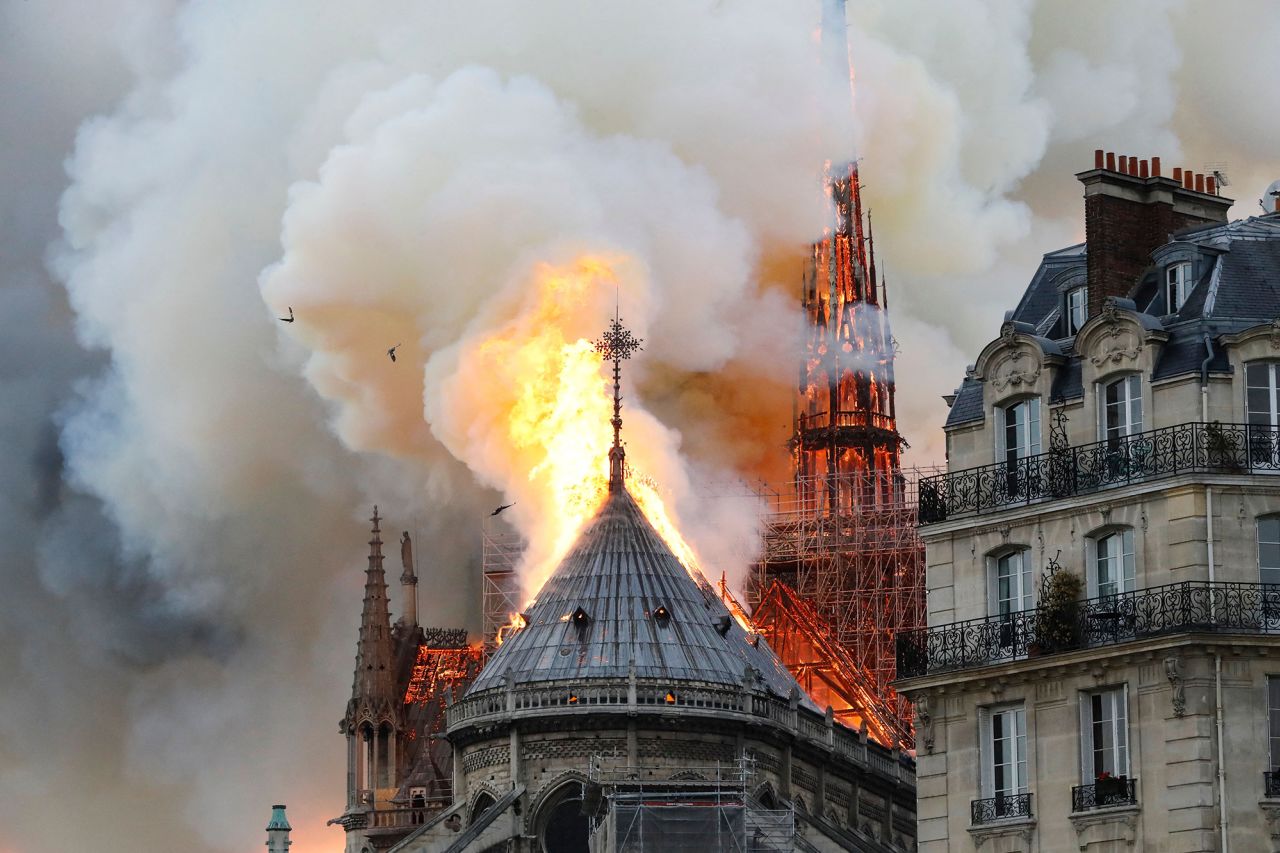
(860, 571)
(501, 548)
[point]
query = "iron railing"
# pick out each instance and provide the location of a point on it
(1218, 607)
(1000, 808)
(1271, 784)
(1165, 452)
(1104, 793)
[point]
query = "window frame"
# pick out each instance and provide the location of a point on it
(1272, 388)
(1029, 429)
(1273, 722)
(1258, 542)
(1121, 759)
(1026, 583)
(1127, 561)
(1177, 277)
(1132, 402)
(1069, 310)
(1015, 713)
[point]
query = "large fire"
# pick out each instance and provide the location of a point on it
(555, 405)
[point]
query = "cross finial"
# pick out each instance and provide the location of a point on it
(616, 345)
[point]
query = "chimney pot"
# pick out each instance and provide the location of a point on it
(1199, 182)
(1177, 174)
(1111, 161)
(1097, 158)
(1277, 203)
(1188, 179)
(1211, 185)
(1142, 168)
(1155, 167)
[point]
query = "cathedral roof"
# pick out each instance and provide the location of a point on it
(622, 598)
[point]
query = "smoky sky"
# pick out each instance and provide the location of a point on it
(184, 484)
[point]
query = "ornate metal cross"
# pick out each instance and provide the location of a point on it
(616, 345)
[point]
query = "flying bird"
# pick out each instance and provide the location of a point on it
(288, 319)
(501, 508)
(392, 352)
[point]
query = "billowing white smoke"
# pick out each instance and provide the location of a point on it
(182, 588)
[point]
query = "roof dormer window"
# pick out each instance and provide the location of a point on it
(1177, 285)
(1077, 308)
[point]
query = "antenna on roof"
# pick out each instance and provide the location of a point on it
(1219, 172)
(616, 345)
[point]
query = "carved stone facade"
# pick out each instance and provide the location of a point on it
(1157, 493)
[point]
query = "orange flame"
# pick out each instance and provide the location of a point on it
(545, 426)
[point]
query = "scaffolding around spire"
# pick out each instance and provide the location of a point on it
(617, 344)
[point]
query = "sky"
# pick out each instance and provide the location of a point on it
(185, 481)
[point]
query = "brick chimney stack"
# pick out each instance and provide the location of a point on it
(1130, 210)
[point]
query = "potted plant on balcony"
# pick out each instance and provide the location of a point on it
(1109, 789)
(1223, 450)
(1057, 623)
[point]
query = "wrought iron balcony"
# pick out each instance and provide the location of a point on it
(1271, 784)
(1000, 808)
(1166, 452)
(1104, 793)
(1223, 608)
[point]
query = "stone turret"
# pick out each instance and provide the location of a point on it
(408, 583)
(278, 830)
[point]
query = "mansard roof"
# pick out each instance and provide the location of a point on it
(1237, 287)
(621, 598)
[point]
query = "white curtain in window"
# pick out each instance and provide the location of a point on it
(1121, 410)
(1011, 585)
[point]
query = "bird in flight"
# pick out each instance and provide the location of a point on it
(392, 352)
(501, 508)
(288, 319)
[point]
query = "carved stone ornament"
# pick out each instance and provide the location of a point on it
(1173, 671)
(1110, 311)
(1271, 813)
(1275, 333)
(1015, 369)
(1100, 830)
(1119, 343)
(1005, 836)
(924, 723)
(1008, 333)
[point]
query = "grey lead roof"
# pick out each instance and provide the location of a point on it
(620, 572)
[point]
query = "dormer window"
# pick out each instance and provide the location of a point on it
(1177, 285)
(1077, 308)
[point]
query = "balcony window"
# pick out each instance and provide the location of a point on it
(1011, 587)
(1113, 566)
(1177, 286)
(1121, 414)
(1269, 550)
(1003, 734)
(1273, 729)
(1017, 437)
(1104, 735)
(1077, 308)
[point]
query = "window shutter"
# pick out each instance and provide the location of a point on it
(1127, 562)
(1020, 749)
(1121, 698)
(1028, 586)
(1033, 426)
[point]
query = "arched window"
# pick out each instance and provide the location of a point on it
(1011, 586)
(1111, 563)
(1120, 408)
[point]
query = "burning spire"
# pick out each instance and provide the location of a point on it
(616, 345)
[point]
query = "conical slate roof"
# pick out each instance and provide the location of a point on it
(622, 596)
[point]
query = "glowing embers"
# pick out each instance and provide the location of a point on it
(437, 669)
(670, 698)
(662, 616)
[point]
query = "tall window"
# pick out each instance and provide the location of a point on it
(1269, 550)
(1019, 430)
(1113, 563)
(1077, 308)
(1004, 753)
(1273, 704)
(1121, 408)
(1017, 437)
(1177, 286)
(1011, 585)
(1104, 730)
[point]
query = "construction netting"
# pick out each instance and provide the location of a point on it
(648, 824)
